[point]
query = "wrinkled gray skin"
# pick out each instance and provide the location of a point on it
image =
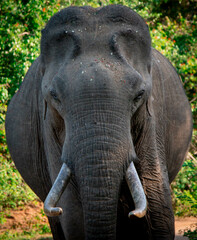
(97, 98)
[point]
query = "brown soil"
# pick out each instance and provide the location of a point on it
(27, 217)
(183, 225)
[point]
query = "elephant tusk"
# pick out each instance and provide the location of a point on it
(137, 192)
(56, 192)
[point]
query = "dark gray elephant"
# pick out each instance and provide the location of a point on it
(98, 108)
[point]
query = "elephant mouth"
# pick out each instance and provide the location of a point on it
(62, 181)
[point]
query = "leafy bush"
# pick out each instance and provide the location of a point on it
(191, 235)
(184, 186)
(185, 190)
(25, 235)
(178, 42)
(14, 191)
(21, 24)
(173, 8)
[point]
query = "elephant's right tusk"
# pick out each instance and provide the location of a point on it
(56, 192)
(137, 192)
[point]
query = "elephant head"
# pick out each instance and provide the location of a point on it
(105, 125)
(97, 75)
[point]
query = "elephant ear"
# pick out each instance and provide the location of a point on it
(24, 131)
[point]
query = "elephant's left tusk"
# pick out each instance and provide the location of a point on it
(137, 192)
(56, 192)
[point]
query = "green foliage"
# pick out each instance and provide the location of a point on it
(173, 8)
(25, 235)
(20, 30)
(177, 41)
(45, 229)
(14, 192)
(185, 190)
(184, 186)
(191, 235)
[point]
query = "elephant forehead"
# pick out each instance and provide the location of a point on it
(90, 18)
(77, 30)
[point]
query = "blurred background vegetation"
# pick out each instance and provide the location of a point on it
(173, 28)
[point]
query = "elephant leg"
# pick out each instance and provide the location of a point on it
(72, 216)
(129, 228)
(56, 228)
(160, 217)
(152, 169)
(158, 224)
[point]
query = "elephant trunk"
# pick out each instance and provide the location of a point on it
(99, 190)
(102, 162)
(101, 155)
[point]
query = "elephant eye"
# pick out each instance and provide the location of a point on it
(54, 95)
(139, 96)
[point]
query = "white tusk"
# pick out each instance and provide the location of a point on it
(137, 192)
(56, 191)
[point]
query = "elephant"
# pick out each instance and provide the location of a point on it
(100, 127)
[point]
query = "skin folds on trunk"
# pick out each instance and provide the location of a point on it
(99, 173)
(97, 151)
(99, 199)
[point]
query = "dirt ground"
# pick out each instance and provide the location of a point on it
(184, 224)
(25, 219)
(31, 216)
